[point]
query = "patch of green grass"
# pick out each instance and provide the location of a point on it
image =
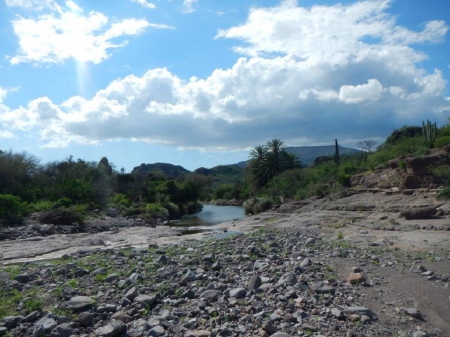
(9, 300)
(340, 235)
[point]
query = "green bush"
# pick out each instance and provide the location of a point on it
(257, 205)
(156, 209)
(62, 203)
(40, 206)
(12, 209)
(121, 200)
(442, 141)
(174, 211)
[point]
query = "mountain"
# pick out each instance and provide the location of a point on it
(308, 154)
(222, 174)
(170, 170)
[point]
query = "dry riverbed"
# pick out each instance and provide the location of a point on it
(287, 276)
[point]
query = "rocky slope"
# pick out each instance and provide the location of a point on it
(273, 282)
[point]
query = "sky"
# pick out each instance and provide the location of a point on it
(199, 83)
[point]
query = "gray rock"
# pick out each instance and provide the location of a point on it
(85, 318)
(156, 331)
(33, 316)
(11, 321)
(210, 294)
(337, 313)
(122, 316)
(22, 278)
(287, 279)
(131, 294)
(306, 262)
(112, 329)
(62, 330)
(189, 276)
(269, 327)
(254, 282)
(413, 312)
(100, 271)
(111, 278)
(323, 288)
(46, 324)
(145, 300)
(238, 293)
(79, 303)
(310, 241)
(4, 330)
(280, 334)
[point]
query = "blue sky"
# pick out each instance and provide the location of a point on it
(198, 83)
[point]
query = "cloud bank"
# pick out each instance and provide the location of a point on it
(306, 75)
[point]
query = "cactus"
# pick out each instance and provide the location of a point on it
(429, 133)
(336, 157)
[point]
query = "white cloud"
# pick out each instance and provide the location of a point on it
(189, 5)
(36, 5)
(371, 91)
(302, 93)
(68, 33)
(145, 3)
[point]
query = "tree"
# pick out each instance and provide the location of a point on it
(268, 161)
(366, 145)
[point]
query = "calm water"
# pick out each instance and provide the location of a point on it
(210, 216)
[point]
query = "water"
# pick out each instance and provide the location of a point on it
(210, 216)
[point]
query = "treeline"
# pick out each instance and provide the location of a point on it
(26, 187)
(270, 177)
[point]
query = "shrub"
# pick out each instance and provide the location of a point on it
(442, 141)
(62, 203)
(257, 205)
(156, 209)
(12, 209)
(40, 206)
(121, 200)
(174, 211)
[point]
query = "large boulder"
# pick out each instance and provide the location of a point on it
(418, 213)
(61, 217)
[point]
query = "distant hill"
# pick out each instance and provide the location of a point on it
(222, 174)
(308, 154)
(170, 170)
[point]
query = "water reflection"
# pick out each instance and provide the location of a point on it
(210, 216)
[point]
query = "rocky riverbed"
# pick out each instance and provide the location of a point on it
(344, 267)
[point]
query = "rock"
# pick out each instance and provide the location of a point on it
(356, 278)
(418, 213)
(254, 282)
(287, 279)
(269, 327)
(280, 334)
(362, 311)
(62, 330)
(337, 313)
(22, 278)
(310, 241)
(112, 329)
(210, 295)
(131, 294)
(156, 331)
(122, 316)
(190, 276)
(323, 288)
(47, 229)
(145, 300)
(78, 303)
(85, 318)
(197, 333)
(413, 312)
(238, 293)
(11, 322)
(46, 324)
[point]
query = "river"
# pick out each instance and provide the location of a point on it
(210, 215)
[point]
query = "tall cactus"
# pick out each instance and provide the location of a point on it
(429, 133)
(336, 158)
